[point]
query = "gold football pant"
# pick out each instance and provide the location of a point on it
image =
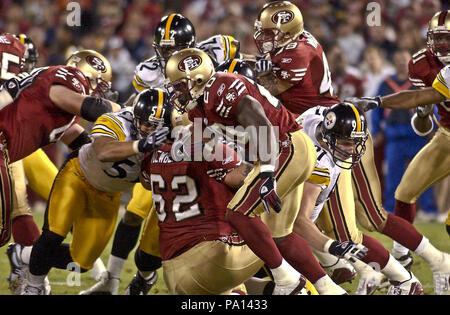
(91, 213)
(210, 267)
(20, 197)
(141, 201)
(295, 164)
(430, 165)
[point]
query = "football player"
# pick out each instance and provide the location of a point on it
(339, 134)
(201, 253)
(40, 172)
(47, 111)
(229, 99)
(174, 32)
(436, 155)
(297, 73)
(87, 191)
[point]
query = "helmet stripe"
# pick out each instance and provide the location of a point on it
(232, 66)
(168, 25)
(160, 104)
(442, 16)
(358, 118)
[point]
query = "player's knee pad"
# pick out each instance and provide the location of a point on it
(146, 262)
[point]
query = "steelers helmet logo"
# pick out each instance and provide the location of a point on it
(330, 120)
(284, 17)
(96, 63)
(190, 63)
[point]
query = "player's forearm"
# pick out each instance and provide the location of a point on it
(411, 98)
(114, 151)
(309, 231)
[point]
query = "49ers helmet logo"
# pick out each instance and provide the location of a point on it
(96, 63)
(284, 16)
(191, 62)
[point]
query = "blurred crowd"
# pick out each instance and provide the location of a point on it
(360, 54)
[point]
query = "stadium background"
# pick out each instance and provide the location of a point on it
(122, 30)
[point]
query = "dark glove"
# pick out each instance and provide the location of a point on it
(16, 85)
(112, 95)
(218, 173)
(263, 67)
(153, 140)
(268, 193)
(348, 250)
(424, 111)
(365, 103)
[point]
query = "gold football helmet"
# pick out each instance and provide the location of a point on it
(278, 24)
(187, 72)
(95, 67)
(438, 36)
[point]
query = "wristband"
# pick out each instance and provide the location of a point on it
(326, 247)
(136, 146)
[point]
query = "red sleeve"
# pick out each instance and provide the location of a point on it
(293, 64)
(11, 56)
(72, 78)
(145, 167)
(225, 157)
(222, 95)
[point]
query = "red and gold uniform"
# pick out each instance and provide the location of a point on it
(297, 154)
(303, 64)
(432, 163)
(201, 253)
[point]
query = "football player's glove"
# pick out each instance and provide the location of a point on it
(153, 140)
(263, 67)
(365, 103)
(218, 173)
(268, 193)
(348, 250)
(424, 111)
(17, 84)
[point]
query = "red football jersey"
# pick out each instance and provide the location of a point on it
(11, 56)
(190, 205)
(32, 120)
(423, 69)
(303, 64)
(224, 91)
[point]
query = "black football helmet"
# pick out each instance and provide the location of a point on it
(151, 107)
(237, 66)
(344, 122)
(31, 54)
(174, 32)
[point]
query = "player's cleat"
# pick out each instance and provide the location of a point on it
(140, 286)
(297, 288)
(33, 290)
(106, 286)
(408, 287)
(405, 260)
(441, 276)
(17, 277)
(369, 281)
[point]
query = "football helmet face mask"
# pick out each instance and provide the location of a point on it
(174, 32)
(31, 53)
(278, 24)
(96, 68)
(151, 110)
(187, 73)
(344, 130)
(237, 66)
(438, 36)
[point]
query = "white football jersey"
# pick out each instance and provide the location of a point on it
(442, 82)
(112, 176)
(326, 172)
(220, 48)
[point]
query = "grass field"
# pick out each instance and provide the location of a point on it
(58, 278)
